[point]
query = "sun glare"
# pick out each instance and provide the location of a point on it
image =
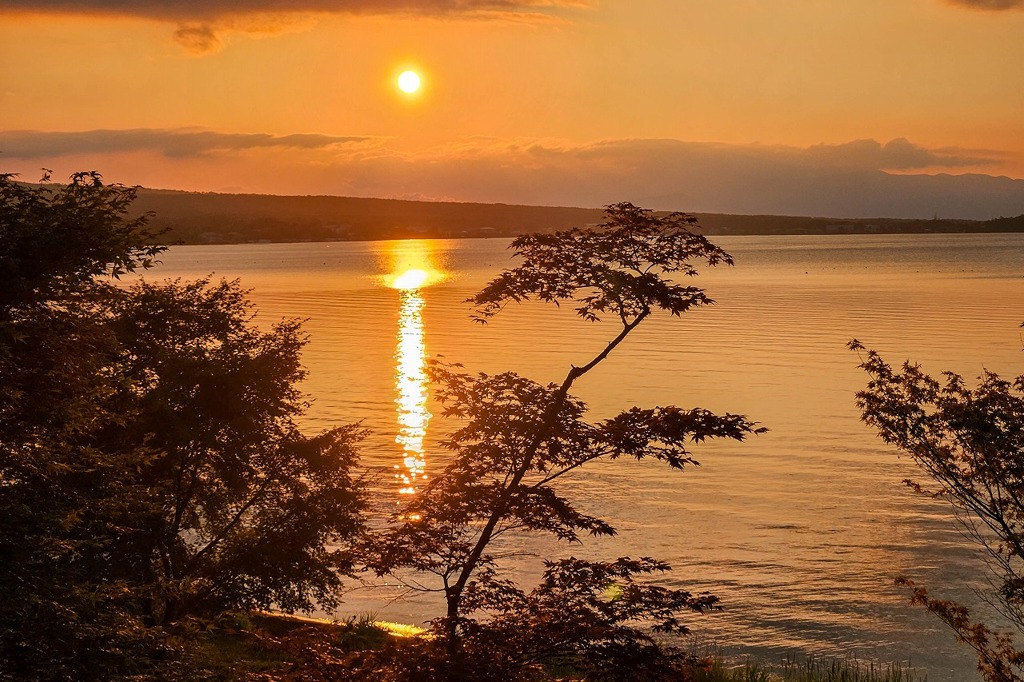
(409, 82)
(410, 264)
(411, 279)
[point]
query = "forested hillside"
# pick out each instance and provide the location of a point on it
(198, 218)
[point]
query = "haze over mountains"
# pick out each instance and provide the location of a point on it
(854, 194)
(857, 179)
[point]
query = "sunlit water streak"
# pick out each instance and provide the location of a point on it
(413, 267)
(411, 386)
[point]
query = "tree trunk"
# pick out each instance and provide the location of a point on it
(453, 645)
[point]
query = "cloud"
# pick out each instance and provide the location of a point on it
(200, 10)
(992, 5)
(897, 154)
(204, 24)
(837, 180)
(199, 39)
(862, 178)
(179, 143)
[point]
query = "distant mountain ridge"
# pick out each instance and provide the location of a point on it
(212, 218)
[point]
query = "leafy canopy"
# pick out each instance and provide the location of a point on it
(88, 233)
(623, 269)
(970, 444)
(151, 466)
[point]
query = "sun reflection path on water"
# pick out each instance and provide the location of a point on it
(412, 270)
(411, 386)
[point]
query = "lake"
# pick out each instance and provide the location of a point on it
(800, 531)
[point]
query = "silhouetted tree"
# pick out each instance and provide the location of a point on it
(55, 242)
(970, 443)
(150, 465)
(521, 439)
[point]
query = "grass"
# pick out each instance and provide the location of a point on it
(809, 670)
(242, 644)
(248, 643)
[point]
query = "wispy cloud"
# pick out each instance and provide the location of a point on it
(195, 10)
(199, 38)
(994, 5)
(204, 24)
(177, 143)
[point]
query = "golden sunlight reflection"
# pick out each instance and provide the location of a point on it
(411, 386)
(412, 267)
(411, 279)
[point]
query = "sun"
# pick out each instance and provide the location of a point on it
(409, 82)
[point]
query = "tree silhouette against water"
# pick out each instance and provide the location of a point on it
(520, 439)
(970, 443)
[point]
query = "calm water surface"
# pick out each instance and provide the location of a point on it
(801, 530)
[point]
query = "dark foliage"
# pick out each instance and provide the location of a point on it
(970, 443)
(150, 466)
(583, 616)
(87, 234)
(623, 269)
(248, 504)
(520, 440)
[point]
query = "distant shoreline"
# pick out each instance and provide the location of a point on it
(206, 218)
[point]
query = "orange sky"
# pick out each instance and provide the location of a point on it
(213, 95)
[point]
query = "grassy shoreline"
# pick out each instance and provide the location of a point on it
(271, 646)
